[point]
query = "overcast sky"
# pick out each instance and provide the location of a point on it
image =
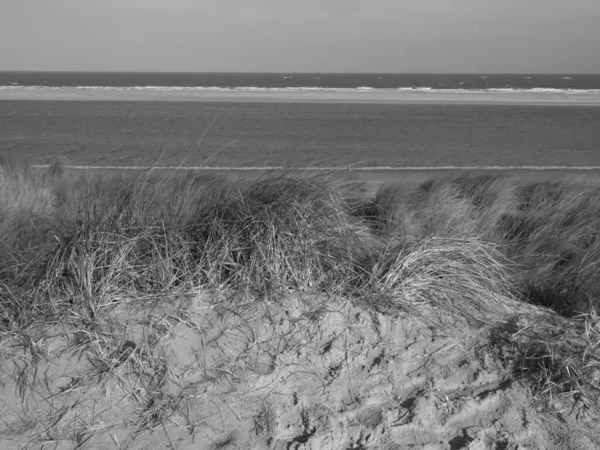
(301, 36)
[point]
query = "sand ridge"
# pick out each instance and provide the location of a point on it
(296, 372)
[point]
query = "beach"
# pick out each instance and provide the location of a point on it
(409, 178)
(251, 134)
(266, 225)
(272, 271)
(311, 270)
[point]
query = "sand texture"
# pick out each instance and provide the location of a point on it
(296, 372)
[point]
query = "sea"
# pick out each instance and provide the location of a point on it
(247, 134)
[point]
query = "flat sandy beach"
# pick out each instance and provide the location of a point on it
(373, 179)
(476, 97)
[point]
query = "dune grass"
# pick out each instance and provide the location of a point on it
(475, 246)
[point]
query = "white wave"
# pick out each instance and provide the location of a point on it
(365, 89)
(501, 90)
(420, 89)
(548, 90)
(328, 168)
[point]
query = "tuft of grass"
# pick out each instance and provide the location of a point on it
(280, 233)
(561, 358)
(554, 236)
(463, 206)
(26, 208)
(466, 277)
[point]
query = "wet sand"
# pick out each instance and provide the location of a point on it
(408, 97)
(373, 179)
(259, 134)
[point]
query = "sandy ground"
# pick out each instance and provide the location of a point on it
(295, 372)
(533, 98)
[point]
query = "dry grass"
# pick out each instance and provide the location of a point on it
(473, 246)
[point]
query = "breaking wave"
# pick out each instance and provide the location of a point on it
(358, 89)
(331, 168)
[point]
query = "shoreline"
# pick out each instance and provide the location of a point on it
(484, 98)
(373, 179)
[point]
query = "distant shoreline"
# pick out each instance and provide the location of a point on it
(373, 178)
(516, 98)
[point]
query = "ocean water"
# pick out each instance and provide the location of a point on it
(246, 134)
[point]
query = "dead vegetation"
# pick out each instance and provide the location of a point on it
(188, 304)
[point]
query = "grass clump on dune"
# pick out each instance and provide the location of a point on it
(279, 233)
(475, 247)
(546, 233)
(547, 229)
(462, 276)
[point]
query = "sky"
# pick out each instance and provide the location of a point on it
(385, 36)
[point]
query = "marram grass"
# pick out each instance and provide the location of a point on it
(475, 247)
